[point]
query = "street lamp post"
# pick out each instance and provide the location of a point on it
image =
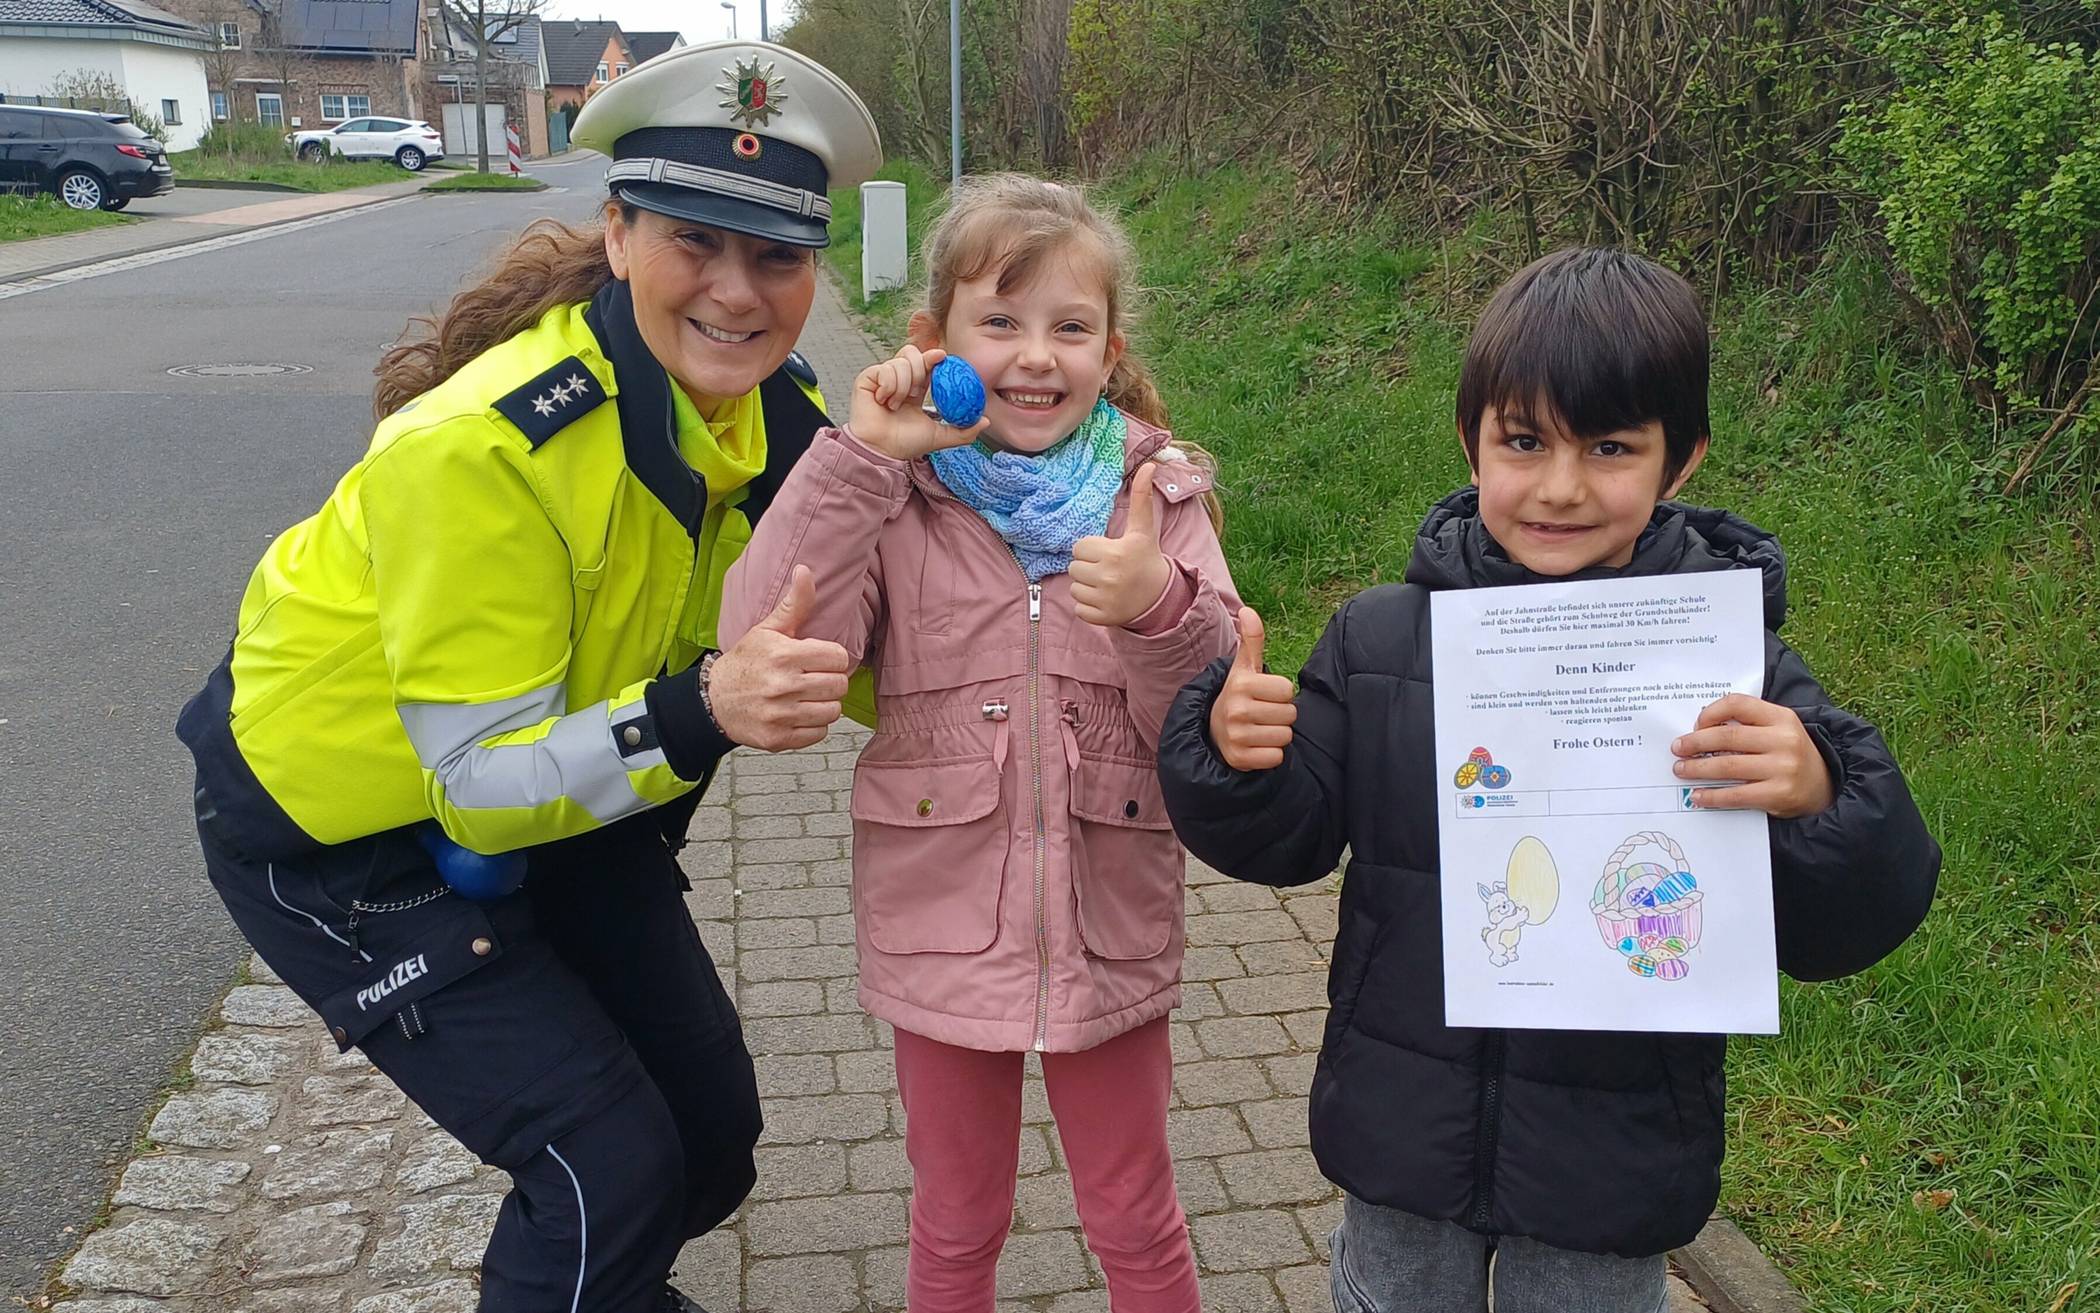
(765, 33)
(730, 5)
(954, 91)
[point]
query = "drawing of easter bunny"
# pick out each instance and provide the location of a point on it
(1527, 895)
(1505, 923)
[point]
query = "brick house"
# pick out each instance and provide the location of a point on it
(581, 57)
(311, 63)
(516, 79)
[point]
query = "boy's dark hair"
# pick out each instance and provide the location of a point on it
(1606, 338)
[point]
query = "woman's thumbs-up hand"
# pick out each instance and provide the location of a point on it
(1116, 580)
(1251, 720)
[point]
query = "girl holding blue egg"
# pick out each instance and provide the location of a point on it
(1031, 585)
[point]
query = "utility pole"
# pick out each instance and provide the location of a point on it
(764, 33)
(954, 91)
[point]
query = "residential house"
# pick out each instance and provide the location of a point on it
(581, 57)
(311, 63)
(155, 56)
(516, 79)
(646, 46)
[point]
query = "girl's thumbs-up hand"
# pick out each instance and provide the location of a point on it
(1116, 580)
(1251, 721)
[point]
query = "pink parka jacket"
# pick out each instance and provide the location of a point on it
(1016, 883)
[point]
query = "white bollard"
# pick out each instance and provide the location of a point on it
(510, 135)
(885, 261)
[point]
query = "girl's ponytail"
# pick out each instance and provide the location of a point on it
(1131, 390)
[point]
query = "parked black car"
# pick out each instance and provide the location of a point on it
(90, 161)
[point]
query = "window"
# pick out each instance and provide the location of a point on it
(171, 112)
(218, 105)
(602, 75)
(230, 36)
(338, 105)
(269, 108)
(619, 70)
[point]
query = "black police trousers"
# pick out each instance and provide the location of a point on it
(574, 1034)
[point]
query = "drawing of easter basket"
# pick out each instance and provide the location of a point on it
(1648, 912)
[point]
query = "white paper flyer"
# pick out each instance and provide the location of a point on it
(1581, 889)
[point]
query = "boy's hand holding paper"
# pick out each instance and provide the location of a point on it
(1765, 746)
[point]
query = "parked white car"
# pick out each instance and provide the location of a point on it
(410, 143)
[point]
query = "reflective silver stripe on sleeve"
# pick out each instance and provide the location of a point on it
(576, 759)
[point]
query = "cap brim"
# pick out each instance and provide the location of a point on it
(746, 217)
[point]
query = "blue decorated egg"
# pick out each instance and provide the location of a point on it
(957, 392)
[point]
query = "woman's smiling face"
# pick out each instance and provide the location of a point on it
(719, 310)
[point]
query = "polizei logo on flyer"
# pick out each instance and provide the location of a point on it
(395, 979)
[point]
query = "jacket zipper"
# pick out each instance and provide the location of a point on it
(1490, 1132)
(1035, 775)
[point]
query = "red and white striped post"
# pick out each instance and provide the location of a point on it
(510, 137)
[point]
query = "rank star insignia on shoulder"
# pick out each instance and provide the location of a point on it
(552, 400)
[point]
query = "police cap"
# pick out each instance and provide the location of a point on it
(742, 135)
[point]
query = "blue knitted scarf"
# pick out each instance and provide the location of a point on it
(1043, 504)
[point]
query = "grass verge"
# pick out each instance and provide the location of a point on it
(315, 176)
(23, 217)
(485, 182)
(1923, 1136)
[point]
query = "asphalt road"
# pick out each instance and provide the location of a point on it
(132, 505)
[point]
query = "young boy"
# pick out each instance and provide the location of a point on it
(1557, 1166)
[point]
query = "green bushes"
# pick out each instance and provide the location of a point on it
(1984, 171)
(255, 141)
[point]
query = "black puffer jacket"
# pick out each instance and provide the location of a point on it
(1605, 1142)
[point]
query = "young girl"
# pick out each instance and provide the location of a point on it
(1030, 603)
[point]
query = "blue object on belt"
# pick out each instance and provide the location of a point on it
(470, 874)
(957, 392)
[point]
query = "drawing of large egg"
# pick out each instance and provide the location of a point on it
(1467, 773)
(1672, 969)
(1675, 946)
(1495, 777)
(1643, 965)
(1534, 881)
(1480, 755)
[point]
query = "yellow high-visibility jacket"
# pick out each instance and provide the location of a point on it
(493, 620)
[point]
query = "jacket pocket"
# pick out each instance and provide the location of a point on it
(930, 840)
(1127, 868)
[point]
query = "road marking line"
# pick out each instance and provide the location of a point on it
(143, 259)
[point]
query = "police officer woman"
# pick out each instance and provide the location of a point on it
(497, 637)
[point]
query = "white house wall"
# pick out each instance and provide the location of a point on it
(149, 73)
(155, 73)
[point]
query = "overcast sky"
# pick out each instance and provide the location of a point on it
(700, 20)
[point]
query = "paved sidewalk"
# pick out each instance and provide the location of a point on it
(42, 255)
(290, 1178)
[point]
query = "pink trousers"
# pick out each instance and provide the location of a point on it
(962, 1133)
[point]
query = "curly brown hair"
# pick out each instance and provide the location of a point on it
(551, 264)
